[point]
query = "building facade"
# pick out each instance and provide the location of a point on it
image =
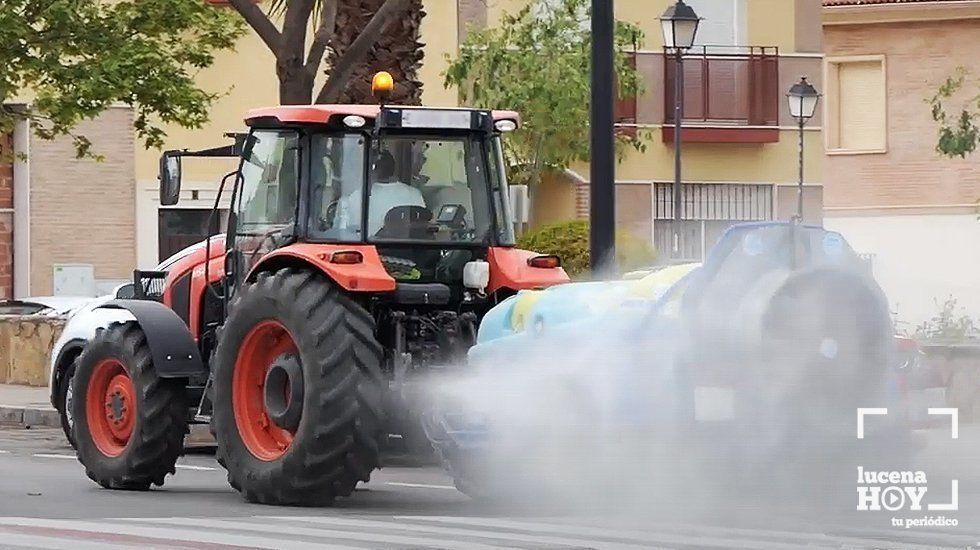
(68, 225)
(911, 210)
(740, 144)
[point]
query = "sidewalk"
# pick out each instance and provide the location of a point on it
(27, 406)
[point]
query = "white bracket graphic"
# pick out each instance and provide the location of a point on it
(954, 413)
(954, 504)
(862, 411)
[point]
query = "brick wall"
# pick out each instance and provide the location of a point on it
(83, 211)
(918, 57)
(6, 219)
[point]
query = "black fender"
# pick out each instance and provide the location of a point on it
(71, 348)
(172, 346)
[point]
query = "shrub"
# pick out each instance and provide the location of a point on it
(570, 241)
(949, 324)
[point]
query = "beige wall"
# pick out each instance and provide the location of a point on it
(246, 77)
(725, 162)
(440, 32)
(554, 200)
(919, 260)
(768, 22)
(83, 211)
(634, 211)
(918, 58)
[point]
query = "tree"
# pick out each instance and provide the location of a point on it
(352, 38)
(76, 58)
(537, 62)
(959, 134)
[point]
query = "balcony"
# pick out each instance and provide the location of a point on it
(732, 94)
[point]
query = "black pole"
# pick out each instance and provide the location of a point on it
(602, 171)
(799, 189)
(678, 143)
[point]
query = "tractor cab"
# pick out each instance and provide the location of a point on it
(422, 188)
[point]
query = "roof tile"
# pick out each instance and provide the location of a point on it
(831, 3)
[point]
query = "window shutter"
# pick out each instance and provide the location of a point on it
(861, 106)
(718, 22)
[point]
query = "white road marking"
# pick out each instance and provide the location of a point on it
(49, 542)
(44, 455)
(72, 457)
(680, 533)
(419, 485)
(453, 534)
(177, 533)
(480, 533)
(196, 468)
(365, 535)
(4, 452)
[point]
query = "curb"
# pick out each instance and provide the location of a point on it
(30, 416)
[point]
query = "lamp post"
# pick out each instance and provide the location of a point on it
(679, 25)
(803, 99)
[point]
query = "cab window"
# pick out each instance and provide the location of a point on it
(267, 197)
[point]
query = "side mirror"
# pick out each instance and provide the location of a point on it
(169, 178)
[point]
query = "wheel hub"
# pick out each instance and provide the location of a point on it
(267, 390)
(283, 393)
(111, 407)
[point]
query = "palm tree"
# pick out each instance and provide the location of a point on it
(355, 37)
(398, 51)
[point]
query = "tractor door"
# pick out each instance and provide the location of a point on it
(265, 204)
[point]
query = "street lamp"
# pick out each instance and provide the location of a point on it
(802, 99)
(680, 25)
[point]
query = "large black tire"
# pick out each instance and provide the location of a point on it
(336, 442)
(160, 419)
(65, 396)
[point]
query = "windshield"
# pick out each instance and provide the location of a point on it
(422, 188)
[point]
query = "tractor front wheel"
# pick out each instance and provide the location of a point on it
(129, 424)
(297, 391)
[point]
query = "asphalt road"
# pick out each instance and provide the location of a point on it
(47, 502)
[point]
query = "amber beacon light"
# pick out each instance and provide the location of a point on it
(382, 84)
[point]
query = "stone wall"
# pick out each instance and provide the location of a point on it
(25, 348)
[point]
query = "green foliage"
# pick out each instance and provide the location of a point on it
(76, 58)
(570, 241)
(537, 62)
(958, 134)
(949, 324)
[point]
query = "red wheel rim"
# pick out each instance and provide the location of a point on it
(261, 346)
(110, 407)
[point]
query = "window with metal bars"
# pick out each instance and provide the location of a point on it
(707, 211)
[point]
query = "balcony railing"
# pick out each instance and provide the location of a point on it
(726, 85)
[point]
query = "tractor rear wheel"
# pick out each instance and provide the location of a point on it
(129, 424)
(297, 391)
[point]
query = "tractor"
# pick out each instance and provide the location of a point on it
(364, 244)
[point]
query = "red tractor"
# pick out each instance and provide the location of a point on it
(364, 244)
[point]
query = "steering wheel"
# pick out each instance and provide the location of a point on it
(267, 236)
